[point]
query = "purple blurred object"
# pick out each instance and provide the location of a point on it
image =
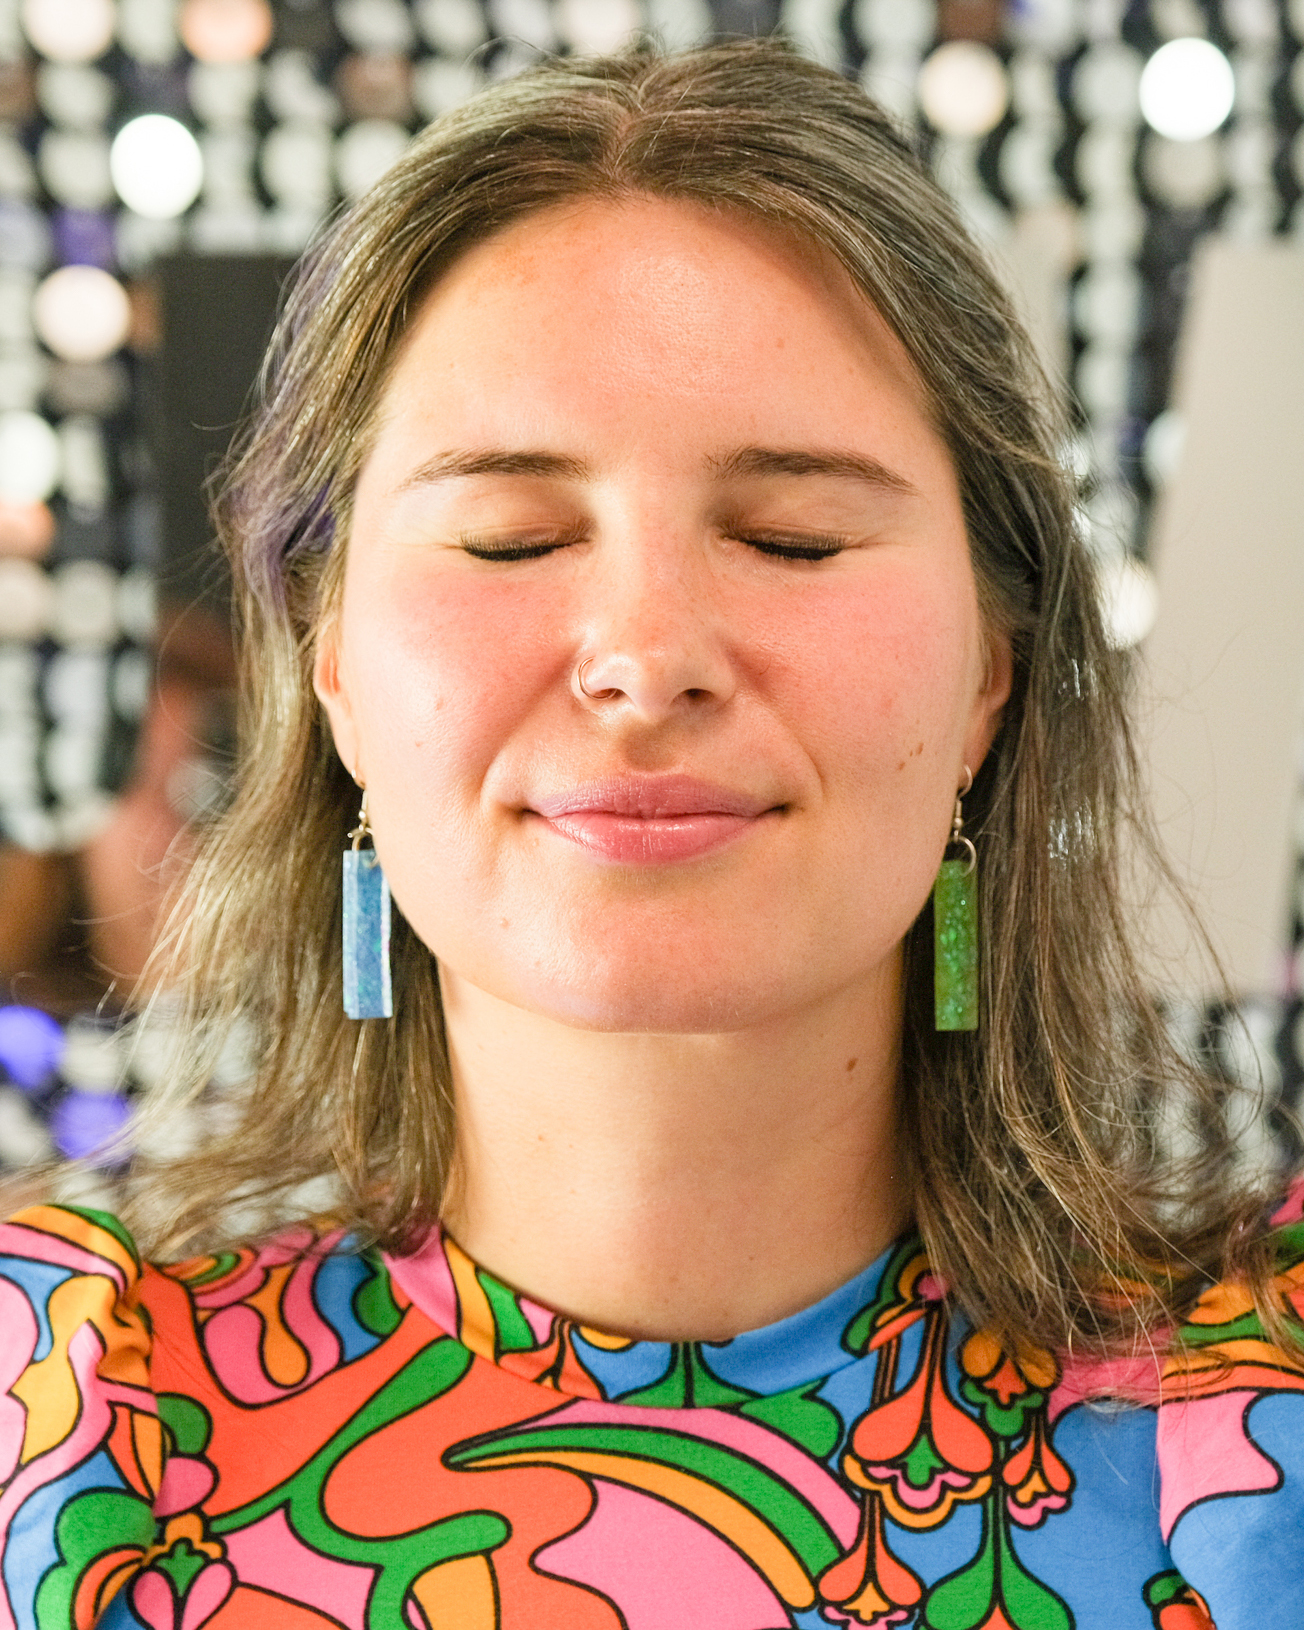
(81, 1123)
(84, 237)
(31, 1045)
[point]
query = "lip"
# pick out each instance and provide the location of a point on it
(651, 820)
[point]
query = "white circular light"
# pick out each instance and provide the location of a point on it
(26, 596)
(1128, 600)
(82, 313)
(69, 30)
(453, 27)
(599, 26)
(85, 612)
(375, 25)
(138, 604)
(156, 166)
(296, 165)
(963, 89)
(1187, 89)
(72, 756)
(1185, 174)
(1164, 443)
(1105, 84)
(74, 165)
(365, 151)
(29, 457)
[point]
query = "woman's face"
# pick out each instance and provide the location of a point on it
(677, 448)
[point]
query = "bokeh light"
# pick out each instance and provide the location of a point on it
(156, 166)
(29, 457)
(82, 1123)
(82, 313)
(26, 529)
(365, 151)
(226, 30)
(26, 597)
(69, 30)
(1128, 600)
(31, 1045)
(963, 89)
(1187, 89)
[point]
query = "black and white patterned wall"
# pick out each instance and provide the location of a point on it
(133, 128)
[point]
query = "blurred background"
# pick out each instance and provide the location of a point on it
(1136, 168)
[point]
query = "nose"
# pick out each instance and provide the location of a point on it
(655, 646)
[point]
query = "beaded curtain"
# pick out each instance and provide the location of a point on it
(292, 108)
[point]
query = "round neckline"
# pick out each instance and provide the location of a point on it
(532, 1342)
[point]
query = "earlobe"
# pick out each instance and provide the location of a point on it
(328, 680)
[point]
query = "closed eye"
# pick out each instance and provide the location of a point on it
(798, 548)
(509, 548)
(510, 551)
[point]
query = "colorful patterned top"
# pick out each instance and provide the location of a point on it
(307, 1436)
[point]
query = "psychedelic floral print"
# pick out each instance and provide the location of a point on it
(308, 1436)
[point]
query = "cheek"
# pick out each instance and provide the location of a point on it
(892, 670)
(449, 670)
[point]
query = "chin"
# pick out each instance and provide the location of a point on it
(648, 1003)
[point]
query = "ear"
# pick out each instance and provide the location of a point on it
(989, 704)
(330, 681)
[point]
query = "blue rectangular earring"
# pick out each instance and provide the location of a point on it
(368, 993)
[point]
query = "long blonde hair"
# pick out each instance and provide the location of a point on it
(1037, 1170)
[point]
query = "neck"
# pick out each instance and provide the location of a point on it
(677, 1186)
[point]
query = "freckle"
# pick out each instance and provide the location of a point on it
(902, 765)
(851, 1064)
(919, 749)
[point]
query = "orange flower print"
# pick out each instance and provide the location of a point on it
(919, 1449)
(1037, 1479)
(1005, 1385)
(869, 1586)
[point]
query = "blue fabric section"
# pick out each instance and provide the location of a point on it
(31, 1551)
(1244, 1553)
(36, 1280)
(627, 1370)
(1099, 1552)
(935, 1552)
(803, 1347)
(333, 1289)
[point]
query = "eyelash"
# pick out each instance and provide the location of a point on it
(811, 551)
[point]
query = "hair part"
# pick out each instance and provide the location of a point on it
(1039, 1187)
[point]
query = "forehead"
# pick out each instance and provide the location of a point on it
(648, 294)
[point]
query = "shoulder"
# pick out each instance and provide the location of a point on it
(81, 1451)
(117, 1373)
(1231, 1443)
(68, 1282)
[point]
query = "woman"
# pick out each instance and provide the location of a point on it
(655, 509)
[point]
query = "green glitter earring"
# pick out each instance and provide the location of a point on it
(955, 931)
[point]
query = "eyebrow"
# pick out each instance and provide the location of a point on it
(498, 461)
(741, 463)
(754, 461)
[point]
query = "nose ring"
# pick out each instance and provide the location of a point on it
(593, 695)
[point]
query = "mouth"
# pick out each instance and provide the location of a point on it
(651, 820)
